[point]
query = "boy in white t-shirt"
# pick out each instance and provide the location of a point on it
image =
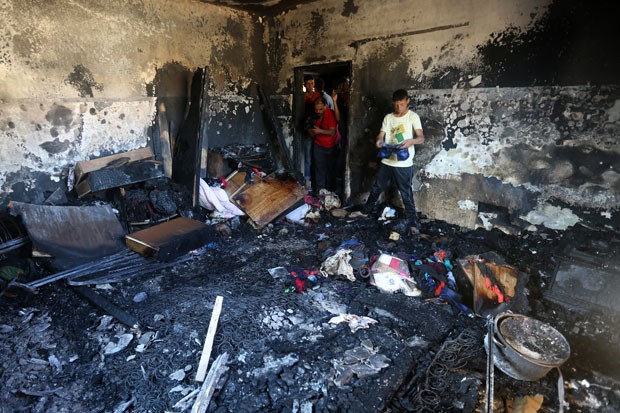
(400, 131)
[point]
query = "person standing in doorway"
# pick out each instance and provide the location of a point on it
(310, 95)
(319, 85)
(324, 146)
(400, 131)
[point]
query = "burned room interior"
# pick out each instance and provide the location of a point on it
(163, 250)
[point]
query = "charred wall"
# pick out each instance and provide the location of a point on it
(519, 100)
(85, 79)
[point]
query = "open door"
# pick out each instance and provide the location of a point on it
(189, 154)
(336, 76)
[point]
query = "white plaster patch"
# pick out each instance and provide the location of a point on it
(460, 159)
(112, 127)
(468, 205)
(614, 112)
(551, 217)
(606, 214)
(117, 127)
(487, 219)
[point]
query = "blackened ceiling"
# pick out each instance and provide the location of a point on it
(262, 6)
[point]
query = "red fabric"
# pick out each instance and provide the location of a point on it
(310, 99)
(439, 288)
(300, 285)
(328, 121)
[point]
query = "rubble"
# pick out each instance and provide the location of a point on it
(295, 340)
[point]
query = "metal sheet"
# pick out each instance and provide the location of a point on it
(582, 286)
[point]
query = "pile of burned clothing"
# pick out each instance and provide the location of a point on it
(433, 276)
(310, 211)
(347, 261)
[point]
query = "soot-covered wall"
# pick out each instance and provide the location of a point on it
(85, 78)
(519, 100)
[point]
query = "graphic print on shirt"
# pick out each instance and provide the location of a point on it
(398, 132)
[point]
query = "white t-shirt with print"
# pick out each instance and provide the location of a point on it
(397, 130)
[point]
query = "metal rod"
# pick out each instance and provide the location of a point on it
(490, 368)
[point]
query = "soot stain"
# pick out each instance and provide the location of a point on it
(82, 79)
(449, 142)
(316, 27)
(349, 8)
(59, 115)
(55, 146)
(570, 45)
(580, 164)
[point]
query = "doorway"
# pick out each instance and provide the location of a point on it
(335, 76)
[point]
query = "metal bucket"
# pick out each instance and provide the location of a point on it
(525, 348)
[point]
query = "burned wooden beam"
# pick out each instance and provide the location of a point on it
(107, 306)
(202, 150)
(208, 344)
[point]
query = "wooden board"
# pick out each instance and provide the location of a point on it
(483, 298)
(236, 181)
(266, 200)
(208, 344)
(170, 239)
(84, 167)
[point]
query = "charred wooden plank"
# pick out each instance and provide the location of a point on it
(266, 200)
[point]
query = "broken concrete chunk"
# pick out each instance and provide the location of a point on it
(355, 322)
(362, 370)
(358, 354)
(378, 361)
(475, 81)
(123, 341)
(178, 375)
(146, 337)
(105, 323)
(54, 362)
(272, 365)
(343, 375)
